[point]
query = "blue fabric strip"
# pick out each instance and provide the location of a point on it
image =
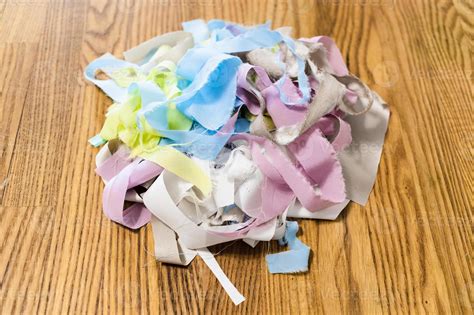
(106, 63)
(97, 141)
(210, 97)
(198, 28)
(291, 261)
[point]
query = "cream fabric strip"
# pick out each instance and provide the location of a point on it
(168, 249)
(179, 41)
(361, 159)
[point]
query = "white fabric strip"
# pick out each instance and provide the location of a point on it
(331, 213)
(179, 41)
(167, 247)
(212, 263)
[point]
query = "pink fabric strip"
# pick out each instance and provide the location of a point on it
(281, 114)
(318, 158)
(332, 126)
(134, 174)
(335, 59)
(114, 164)
(301, 179)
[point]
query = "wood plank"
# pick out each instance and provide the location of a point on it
(409, 250)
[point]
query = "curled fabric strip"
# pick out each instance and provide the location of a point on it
(330, 60)
(264, 95)
(108, 63)
(109, 165)
(121, 175)
(257, 37)
(328, 57)
(161, 199)
(290, 121)
(329, 94)
(294, 260)
(115, 191)
(110, 161)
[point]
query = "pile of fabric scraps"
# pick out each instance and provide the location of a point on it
(222, 132)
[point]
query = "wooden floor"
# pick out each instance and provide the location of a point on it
(408, 250)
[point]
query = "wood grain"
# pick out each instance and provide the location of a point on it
(409, 250)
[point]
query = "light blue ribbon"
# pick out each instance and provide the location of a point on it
(107, 63)
(198, 28)
(303, 82)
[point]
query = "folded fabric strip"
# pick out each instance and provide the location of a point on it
(168, 249)
(122, 174)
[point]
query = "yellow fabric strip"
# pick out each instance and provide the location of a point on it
(179, 164)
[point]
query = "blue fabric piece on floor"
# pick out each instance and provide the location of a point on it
(294, 260)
